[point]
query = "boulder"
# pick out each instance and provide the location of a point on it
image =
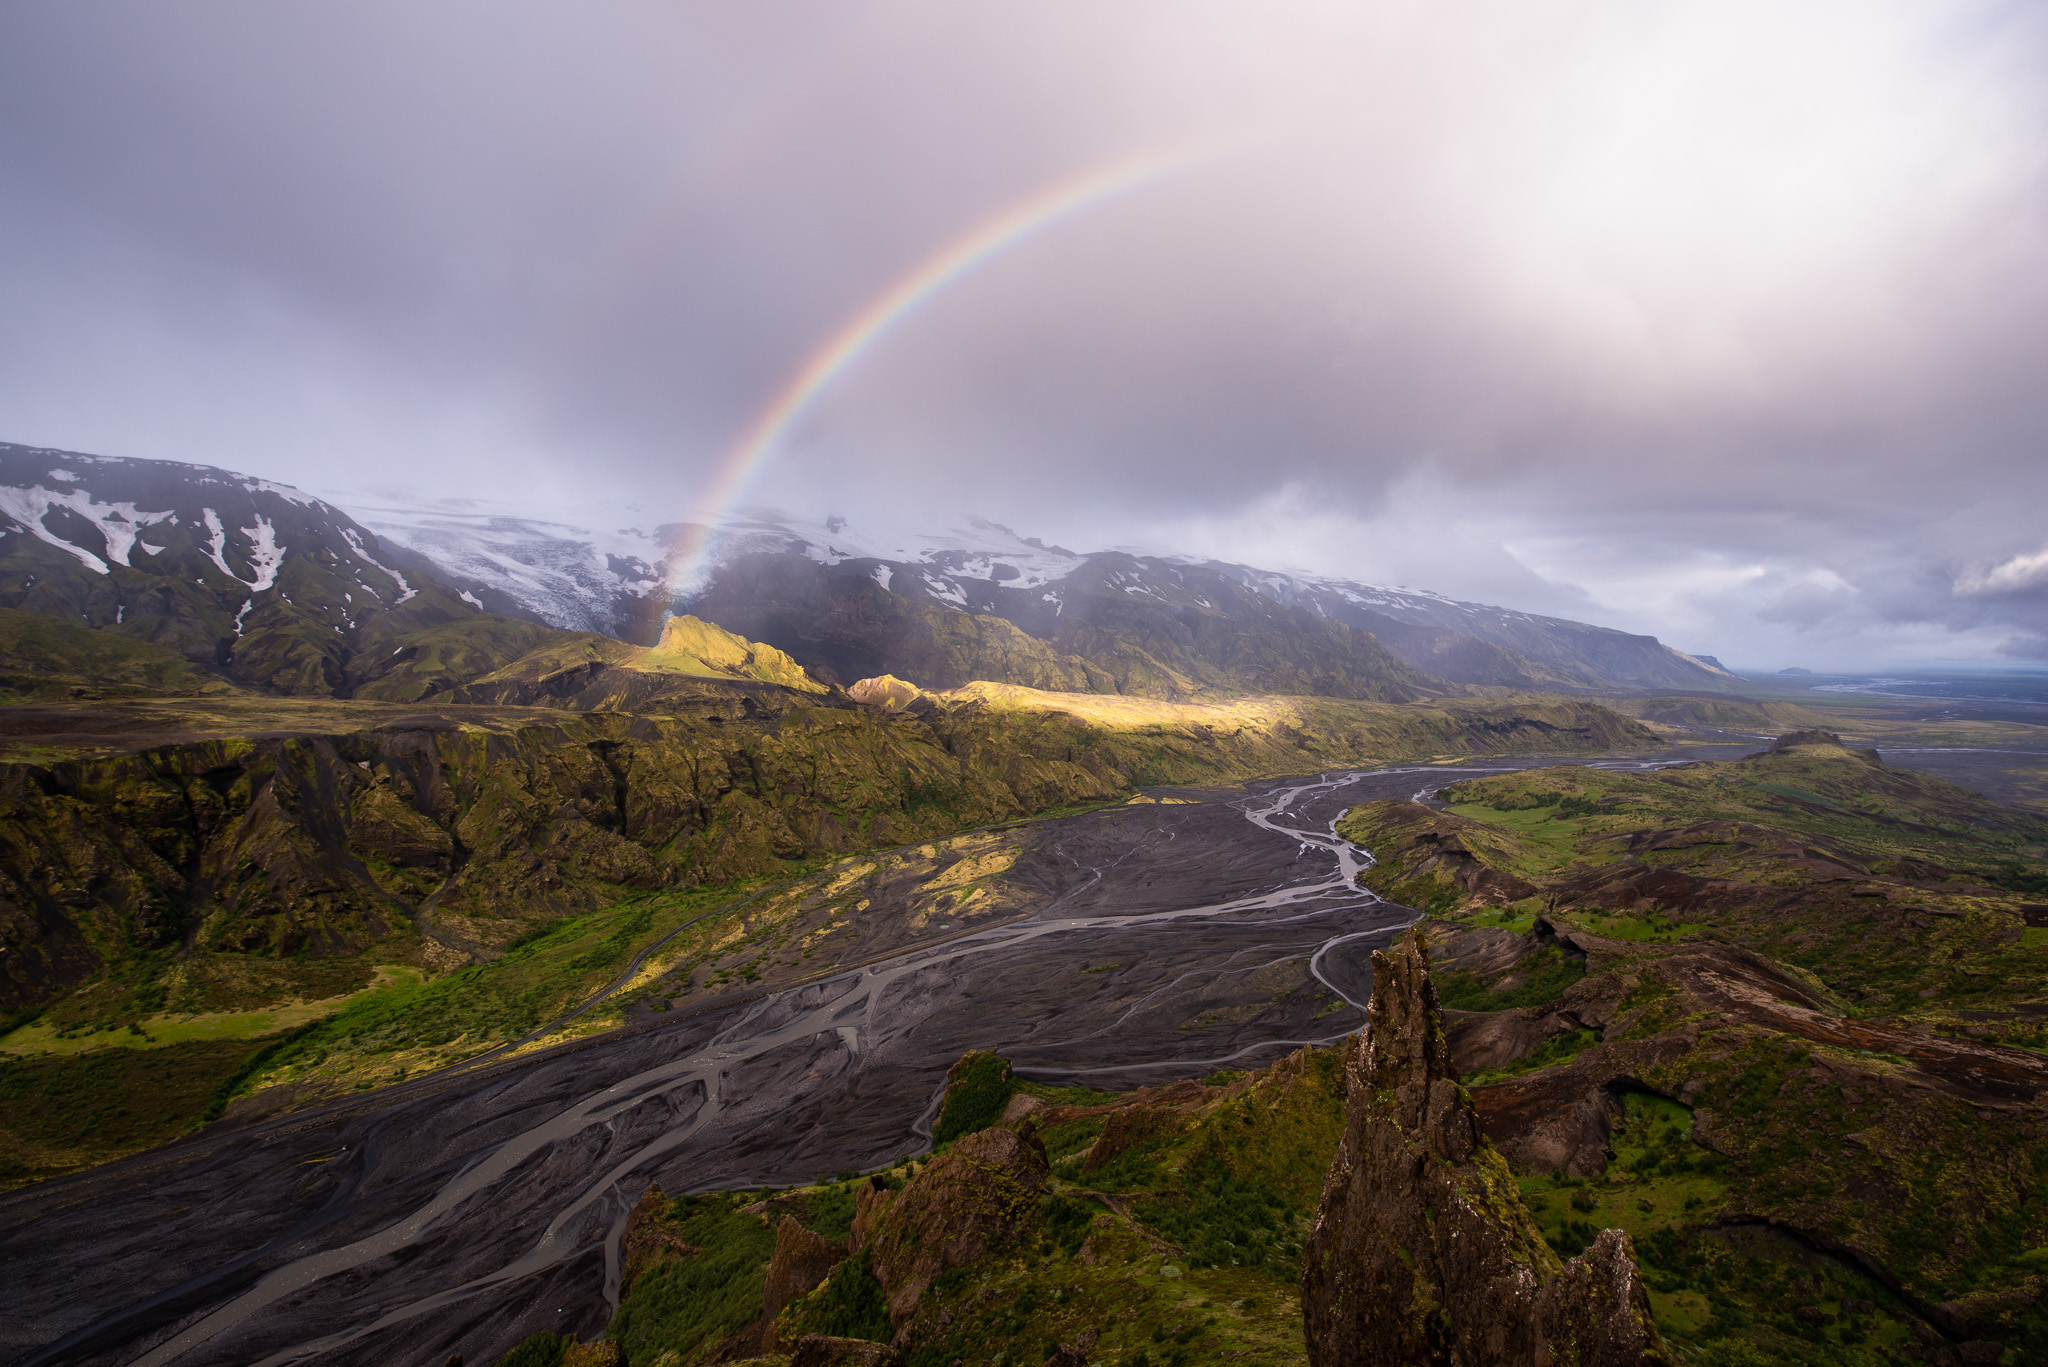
(1422, 1251)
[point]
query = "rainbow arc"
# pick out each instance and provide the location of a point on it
(992, 237)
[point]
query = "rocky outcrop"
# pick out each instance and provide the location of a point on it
(802, 1260)
(1128, 1129)
(886, 691)
(1422, 1252)
(648, 1239)
(1433, 861)
(967, 1203)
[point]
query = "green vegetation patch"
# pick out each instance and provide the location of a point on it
(445, 1019)
(692, 1305)
(977, 1089)
(1637, 929)
(1734, 1294)
(1557, 1049)
(1859, 809)
(43, 656)
(59, 1112)
(849, 1304)
(1539, 978)
(1059, 1095)
(1252, 1171)
(46, 1036)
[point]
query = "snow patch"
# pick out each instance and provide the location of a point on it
(405, 590)
(265, 555)
(283, 491)
(469, 598)
(247, 603)
(883, 574)
(118, 523)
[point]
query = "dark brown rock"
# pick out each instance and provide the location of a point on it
(801, 1261)
(1129, 1129)
(964, 1205)
(1422, 1252)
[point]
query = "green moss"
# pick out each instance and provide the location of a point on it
(684, 1304)
(848, 1304)
(1557, 1049)
(537, 1350)
(1067, 1096)
(830, 1210)
(58, 1112)
(1545, 974)
(977, 1089)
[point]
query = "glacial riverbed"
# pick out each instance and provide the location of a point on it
(458, 1214)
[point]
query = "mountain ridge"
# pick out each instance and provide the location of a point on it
(604, 582)
(272, 588)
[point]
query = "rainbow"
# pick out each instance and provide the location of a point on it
(858, 334)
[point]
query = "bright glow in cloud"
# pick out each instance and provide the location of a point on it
(2019, 572)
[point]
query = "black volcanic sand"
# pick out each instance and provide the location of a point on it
(460, 1213)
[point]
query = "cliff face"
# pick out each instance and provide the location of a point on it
(1422, 1251)
(323, 845)
(967, 1204)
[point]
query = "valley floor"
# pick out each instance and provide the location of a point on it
(1139, 944)
(1192, 935)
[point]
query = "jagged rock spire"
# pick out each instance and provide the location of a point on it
(1422, 1252)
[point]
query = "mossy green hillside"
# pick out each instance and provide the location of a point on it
(44, 657)
(63, 1112)
(1845, 800)
(1827, 962)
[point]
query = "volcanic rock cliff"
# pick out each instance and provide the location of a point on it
(1422, 1252)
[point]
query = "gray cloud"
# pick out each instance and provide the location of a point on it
(1723, 321)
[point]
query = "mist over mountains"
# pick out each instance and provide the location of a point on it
(285, 591)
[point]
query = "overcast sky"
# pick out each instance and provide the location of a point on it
(1727, 321)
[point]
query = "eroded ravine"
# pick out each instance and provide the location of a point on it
(463, 1220)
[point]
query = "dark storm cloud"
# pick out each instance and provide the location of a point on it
(1724, 321)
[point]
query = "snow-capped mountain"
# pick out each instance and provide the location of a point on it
(285, 590)
(842, 598)
(260, 582)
